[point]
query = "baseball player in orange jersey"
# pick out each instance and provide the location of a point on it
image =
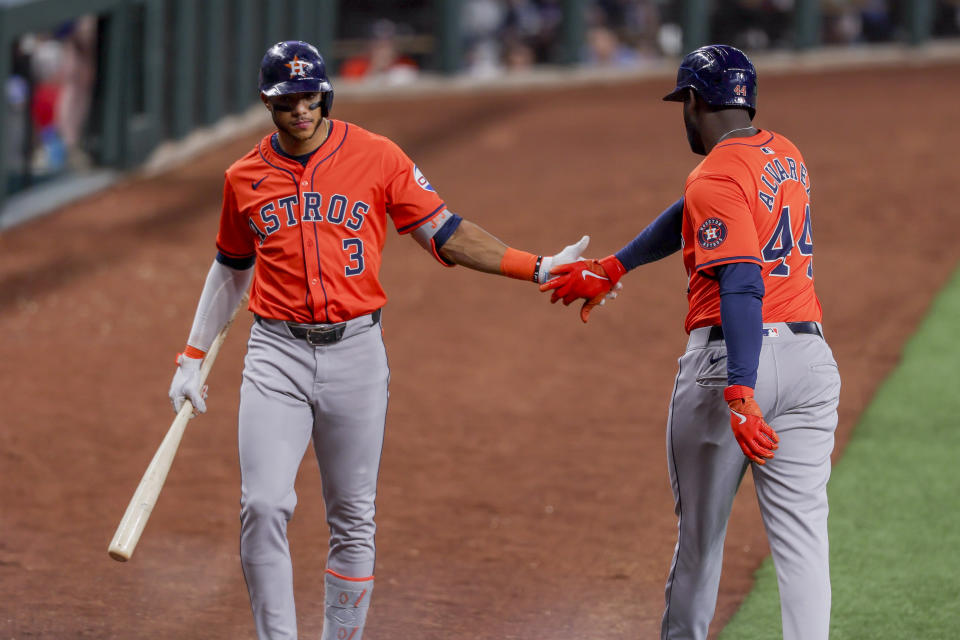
(304, 218)
(756, 360)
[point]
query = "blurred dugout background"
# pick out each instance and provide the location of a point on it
(92, 87)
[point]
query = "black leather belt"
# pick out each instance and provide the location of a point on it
(716, 331)
(319, 335)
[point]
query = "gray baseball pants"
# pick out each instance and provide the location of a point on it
(292, 391)
(798, 387)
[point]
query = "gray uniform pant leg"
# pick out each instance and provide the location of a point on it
(291, 392)
(351, 400)
(706, 466)
(792, 487)
(797, 389)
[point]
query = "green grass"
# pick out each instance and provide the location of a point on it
(894, 504)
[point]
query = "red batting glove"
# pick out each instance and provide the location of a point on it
(756, 438)
(591, 280)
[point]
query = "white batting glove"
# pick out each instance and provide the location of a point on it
(186, 384)
(570, 253)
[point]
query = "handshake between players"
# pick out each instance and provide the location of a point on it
(592, 280)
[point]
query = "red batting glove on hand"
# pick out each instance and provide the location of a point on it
(756, 438)
(588, 279)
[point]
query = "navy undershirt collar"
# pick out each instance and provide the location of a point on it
(303, 160)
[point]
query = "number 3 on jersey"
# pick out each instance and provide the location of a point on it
(781, 243)
(355, 246)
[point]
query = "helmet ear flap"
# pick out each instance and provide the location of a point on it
(326, 103)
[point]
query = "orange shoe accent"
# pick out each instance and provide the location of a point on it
(342, 577)
(518, 264)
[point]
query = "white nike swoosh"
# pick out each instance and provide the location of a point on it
(584, 274)
(742, 417)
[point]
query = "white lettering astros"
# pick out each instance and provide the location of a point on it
(774, 174)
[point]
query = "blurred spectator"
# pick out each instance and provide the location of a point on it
(753, 24)
(670, 39)
(49, 154)
(383, 62)
(16, 94)
(518, 34)
(481, 27)
(604, 49)
(78, 71)
(522, 20)
(520, 28)
(623, 33)
(769, 24)
(547, 39)
(518, 55)
(48, 100)
(637, 22)
(642, 27)
(530, 32)
(843, 23)
(877, 21)
(946, 22)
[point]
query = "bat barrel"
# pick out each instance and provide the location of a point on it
(141, 505)
(138, 511)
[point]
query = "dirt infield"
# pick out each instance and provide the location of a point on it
(523, 489)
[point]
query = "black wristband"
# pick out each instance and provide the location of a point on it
(536, 269)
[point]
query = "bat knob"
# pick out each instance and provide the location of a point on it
(119, 557)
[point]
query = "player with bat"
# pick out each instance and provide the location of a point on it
(304, 218)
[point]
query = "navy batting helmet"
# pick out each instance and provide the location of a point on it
(722, 76)
(295, 67)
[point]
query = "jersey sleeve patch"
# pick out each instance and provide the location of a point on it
(410, 199)
(711, 233)
(422, 181)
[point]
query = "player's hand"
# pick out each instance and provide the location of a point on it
(592, 280)
(570, 253)
(757, 439)
(186, 384)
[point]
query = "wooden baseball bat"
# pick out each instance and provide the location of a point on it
(141, 505)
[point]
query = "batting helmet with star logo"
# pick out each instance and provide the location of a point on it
(295, 66)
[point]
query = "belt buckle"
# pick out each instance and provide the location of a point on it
(317, 336)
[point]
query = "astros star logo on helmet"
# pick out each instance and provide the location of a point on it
(298, 67)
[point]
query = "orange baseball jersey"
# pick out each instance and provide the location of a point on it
(318, 231)
(749, 201)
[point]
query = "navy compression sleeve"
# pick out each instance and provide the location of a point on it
(658, 240)
(741, 313)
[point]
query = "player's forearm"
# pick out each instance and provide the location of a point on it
(221, 293)
(658, 240)
(471, 246)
